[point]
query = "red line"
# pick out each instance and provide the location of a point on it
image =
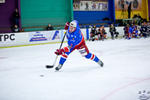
(123, 87)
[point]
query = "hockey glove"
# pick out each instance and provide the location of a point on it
(67, 26)
(59, 51)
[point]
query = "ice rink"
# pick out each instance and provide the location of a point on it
(125, 75)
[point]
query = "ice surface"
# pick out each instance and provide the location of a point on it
(126, 72)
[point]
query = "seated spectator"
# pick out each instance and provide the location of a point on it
(130, 32)
(22, 30)
(105, 34)
(15, 28)
(102, 33)
(50, 27)
(144, 30)
(126, 31)
(93, 33)
(148, 29)
(135, 31)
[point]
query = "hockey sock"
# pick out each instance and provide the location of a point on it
(62, 60)
(92, 57)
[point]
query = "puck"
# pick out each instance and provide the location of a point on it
(41, 75)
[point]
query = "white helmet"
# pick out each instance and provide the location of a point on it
(73, 24)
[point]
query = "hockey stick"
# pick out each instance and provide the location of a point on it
(51, 66)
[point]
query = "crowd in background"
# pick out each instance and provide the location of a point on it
(99, 33)
(130, 30)
(137, 31)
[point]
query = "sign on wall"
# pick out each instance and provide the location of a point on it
(7, 37)
(125, 4)
(2, 1)
(90, 5)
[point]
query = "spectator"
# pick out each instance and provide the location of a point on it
(135, 31)
(15, 28)
(130, 31)
(105, 34)
(16, 17)
(129, 10)
(112, 31)
(144, 29)
(93, 33)
(22, 30)
(126, 31)
(102, 33)
(50, 27)
(148, 29)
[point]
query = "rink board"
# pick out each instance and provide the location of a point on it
(40, 37)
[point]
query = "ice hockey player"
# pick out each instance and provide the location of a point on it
(144, 29)
(135, 31)
(126, 31)
(93, 33)
(75, 42)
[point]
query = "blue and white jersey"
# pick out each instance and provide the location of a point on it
(133, 29)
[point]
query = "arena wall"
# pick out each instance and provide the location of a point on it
(94, 15)
(40, 37)
(39, 13)
(6, 14)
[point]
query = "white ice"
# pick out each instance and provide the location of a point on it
(125, 75)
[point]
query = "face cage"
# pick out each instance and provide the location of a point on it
(72, 29)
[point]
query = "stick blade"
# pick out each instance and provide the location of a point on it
(49, 66)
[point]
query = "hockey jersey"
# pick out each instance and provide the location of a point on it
(74, 38)
(133, 29)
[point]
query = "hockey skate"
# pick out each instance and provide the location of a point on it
(58, 67)
(100, 63)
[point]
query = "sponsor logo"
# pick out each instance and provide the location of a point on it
(144, 95)
(7, 37)
(56, 35)
(37, 37)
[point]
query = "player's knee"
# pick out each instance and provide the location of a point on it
(88, 56)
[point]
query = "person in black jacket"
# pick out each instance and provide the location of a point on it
(16, 17)
(113, 31)
(144, 29)
(50, 27)
(148, 29)
(129, 10)
(126, 31)
(15, 28)
(93, 33)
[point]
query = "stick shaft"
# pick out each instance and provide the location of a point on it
(59, 48)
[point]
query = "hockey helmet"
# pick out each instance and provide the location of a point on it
(72, 26)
